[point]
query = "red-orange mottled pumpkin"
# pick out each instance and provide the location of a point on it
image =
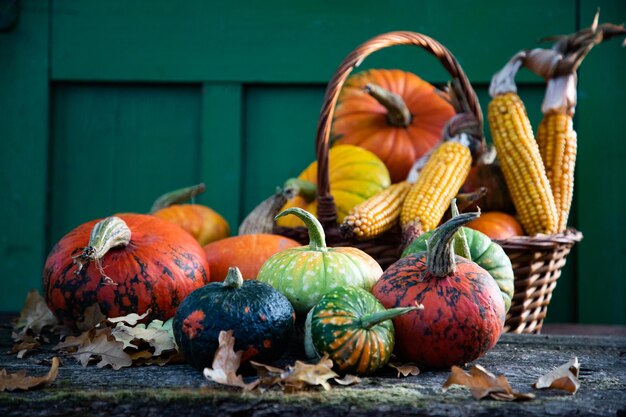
(126, 264)
(392, 113)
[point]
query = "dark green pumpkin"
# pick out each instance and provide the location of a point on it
(483, 251)
(261, 318)
(353, 328)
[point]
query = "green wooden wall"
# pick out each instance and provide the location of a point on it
(105, 105)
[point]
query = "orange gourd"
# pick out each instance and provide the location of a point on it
(497, 225)
(393, 113)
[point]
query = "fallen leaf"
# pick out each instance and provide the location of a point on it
(104, 349)
(302, 374)
(348, 380)
(405, 369)
(130, 319)
(565, 377)
(35, 315)
(483, 383)
(226, 363)
(269, 375)
(158, 338)
(91, 318)
(23, 348)
(19, 380)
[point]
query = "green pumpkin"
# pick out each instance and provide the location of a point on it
(304, 274)
(353, 328)
(483, 251)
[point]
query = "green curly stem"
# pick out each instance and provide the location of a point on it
(234, 279)
(370, 320)
(398, 113)
(105, 235)
(317, 238)
(461, 247)
(177, 196)
(301, 187)
(440, 257)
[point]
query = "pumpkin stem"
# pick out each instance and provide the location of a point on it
(177, 196)
(304, 188)
(461, 247)
(398, 113)
(234, 279)
(105, 235)
(440, 258)
(370, 320)
(317, 238)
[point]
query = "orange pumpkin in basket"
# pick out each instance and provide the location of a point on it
(497, 225)
(394, 114)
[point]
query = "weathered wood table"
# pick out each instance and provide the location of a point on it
(179, 390)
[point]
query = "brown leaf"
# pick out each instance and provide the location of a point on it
(302, 374)
(130, 319)
(225, 364)
(405, 369)
(483, 383)
(91, 318)
(269, 375)
(35, 315)
(19, 380)
(348, 380)
(565, 377)
(25, 347)
(104, 349)
(157, 338)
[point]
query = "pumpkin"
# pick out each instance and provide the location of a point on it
(203, 223)
(260, 317)
(129, 263)
(354, 175)
(304, 274)
(394, 114)
(497, 225)
(483, 251)
(248, 252)
(351, 326)
(463, 313)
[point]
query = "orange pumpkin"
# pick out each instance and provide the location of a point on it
(497, 225)
(393, 113)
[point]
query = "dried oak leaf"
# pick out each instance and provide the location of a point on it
(405, 369)
(19, 380)
(268, 375)
(348, 380)
(26, 346)
(92, 317)
(565, 377)
(131, 319)
(157, 338)
(35, 315)
(225, 364)
(104, 349)
(483, 383)
(302, 374)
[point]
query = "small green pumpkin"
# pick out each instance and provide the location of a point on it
(353, 328)
(261, 318)
(482, 250)
(304, 274)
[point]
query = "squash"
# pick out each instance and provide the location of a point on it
(260, 317)
(203, 223)
(487, 254)
(351, 326)
(129, 263)
(304, 274)
(497, 225)
(394, 114)
(355, 175)
(248, 252)
(463, 313)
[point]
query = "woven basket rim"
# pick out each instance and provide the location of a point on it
(542, 241)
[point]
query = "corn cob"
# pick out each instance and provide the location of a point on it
(557, 145)
(438, 182)
(521, 163)
(377, 214)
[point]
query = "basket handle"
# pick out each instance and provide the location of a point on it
(326, 210)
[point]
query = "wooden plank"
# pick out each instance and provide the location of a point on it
(118, 147)
(600, 177)
(278, 41)
(24, 133)
(221, 163)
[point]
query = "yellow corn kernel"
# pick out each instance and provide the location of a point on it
(438, 182)
(377, 214)
(521, 164)
(556, 138)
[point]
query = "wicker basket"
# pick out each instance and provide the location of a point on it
(537, 261)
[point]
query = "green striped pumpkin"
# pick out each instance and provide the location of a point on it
(353, 328)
